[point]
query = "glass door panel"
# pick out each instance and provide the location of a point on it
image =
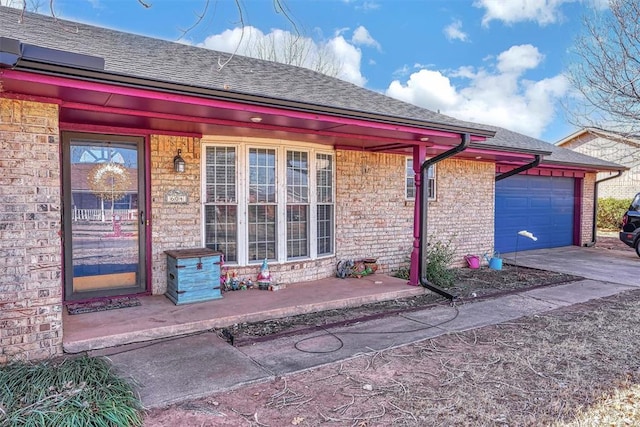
(104, 216)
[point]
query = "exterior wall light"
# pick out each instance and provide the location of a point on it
(178, 162)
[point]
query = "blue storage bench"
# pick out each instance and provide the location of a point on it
(193, 275)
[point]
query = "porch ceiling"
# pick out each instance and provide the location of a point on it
(84, 103)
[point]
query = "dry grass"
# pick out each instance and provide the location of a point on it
(576, 366)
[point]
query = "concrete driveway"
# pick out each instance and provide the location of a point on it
(614, 266)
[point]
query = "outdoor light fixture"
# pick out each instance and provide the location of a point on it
(424, 138)
(256, 119)
(178, 162)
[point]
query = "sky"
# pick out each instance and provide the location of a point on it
(499, 62)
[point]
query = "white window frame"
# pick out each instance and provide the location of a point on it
(409, 180)
(243, 148)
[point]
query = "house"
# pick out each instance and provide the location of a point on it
(614, 147)
(118, 147)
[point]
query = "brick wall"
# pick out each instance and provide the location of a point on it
(30, 251)
(587, 208)
(174, 226)
(463, 211)
(375, 220)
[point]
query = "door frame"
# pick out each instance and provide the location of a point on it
(144, 244)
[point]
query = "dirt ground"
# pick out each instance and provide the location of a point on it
(576, 366)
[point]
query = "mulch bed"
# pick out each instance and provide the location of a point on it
(470, 284)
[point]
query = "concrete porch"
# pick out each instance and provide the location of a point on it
(158, 317)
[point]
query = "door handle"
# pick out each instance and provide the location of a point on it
(141, 217)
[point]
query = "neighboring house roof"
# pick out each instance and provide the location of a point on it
(200, 71)
(610, 135)
(558, 155)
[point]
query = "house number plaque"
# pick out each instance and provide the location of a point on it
(176, 197)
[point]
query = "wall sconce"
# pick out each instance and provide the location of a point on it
(178, 162)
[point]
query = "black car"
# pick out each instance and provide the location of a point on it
(630, 234)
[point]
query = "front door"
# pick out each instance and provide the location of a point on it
(103, 215)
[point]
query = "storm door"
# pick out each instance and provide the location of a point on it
(103, 215)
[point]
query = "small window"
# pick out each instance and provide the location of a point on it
(410, 182)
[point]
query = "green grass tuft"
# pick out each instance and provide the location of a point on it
(68, 392)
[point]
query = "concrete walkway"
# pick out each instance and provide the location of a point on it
(189, 367)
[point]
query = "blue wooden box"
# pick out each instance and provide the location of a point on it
(193, 275)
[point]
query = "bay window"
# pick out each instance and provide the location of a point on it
(268, 202)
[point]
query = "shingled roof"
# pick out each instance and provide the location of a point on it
(156, 60)
(165, 61)
(558, 155)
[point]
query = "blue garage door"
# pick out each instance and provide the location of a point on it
(541, 205)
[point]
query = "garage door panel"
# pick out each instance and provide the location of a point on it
(541, 205)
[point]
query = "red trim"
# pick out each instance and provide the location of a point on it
(149, 216)
(114, 130)
(419, 154)
(230, 105)
(577, 210)
(546, 171)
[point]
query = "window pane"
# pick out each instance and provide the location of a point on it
(262, 176)
(220, 174)
(297, 231)
(297, 177)
(410, 180)
(324, 177)
(262, 232)
(221, 212)
(411, 183)
(325, 229)
(431, 181)
(221, 230)
(324, 189)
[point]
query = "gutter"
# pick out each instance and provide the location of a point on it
(424, 210)
(595, 207)
(522, 168)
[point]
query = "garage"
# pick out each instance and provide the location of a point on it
(542, 205)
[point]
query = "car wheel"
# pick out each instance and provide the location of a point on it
(637, 247)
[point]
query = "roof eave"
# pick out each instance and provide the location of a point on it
(585, 166)
(239, 97)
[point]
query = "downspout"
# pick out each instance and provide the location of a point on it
(424, 206)
(522, 168)
(595, 208)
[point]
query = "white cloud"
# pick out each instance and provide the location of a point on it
(308, 53)
(350, 58)
(542, 12)
(454, 31)
(518, 59)
(361, 36)
(426, 88)
(498, 95)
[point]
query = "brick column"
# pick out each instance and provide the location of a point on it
(30, 226)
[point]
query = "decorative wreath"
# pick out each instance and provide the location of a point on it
(109, 181)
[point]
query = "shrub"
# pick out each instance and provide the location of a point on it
(610, 212)
(67, 392)
(439, 257)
